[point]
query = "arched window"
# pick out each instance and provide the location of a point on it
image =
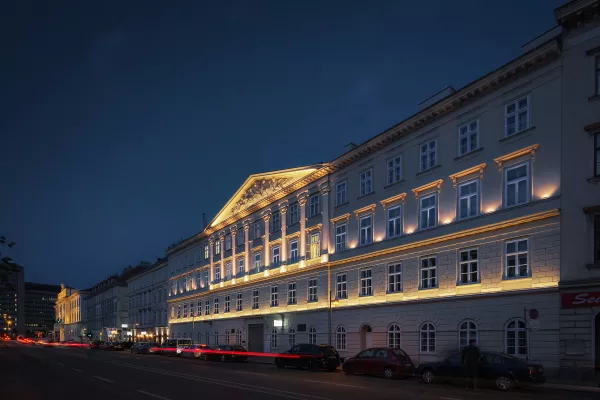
(427, 338)
(238, 337)
(274, 338)
(467, 331)
(312, 335)
(292, 337)
(516, 337)
(340, 338)
(394, 336)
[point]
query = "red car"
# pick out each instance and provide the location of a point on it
(389, 363)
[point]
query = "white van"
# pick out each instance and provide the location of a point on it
(178, 344)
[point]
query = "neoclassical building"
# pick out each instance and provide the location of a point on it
(70, 314)
(444, 228)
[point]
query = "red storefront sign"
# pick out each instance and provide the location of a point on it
(583, 299)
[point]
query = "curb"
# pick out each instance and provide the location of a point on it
(570, 388)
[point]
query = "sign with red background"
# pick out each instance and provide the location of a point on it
(581, 299)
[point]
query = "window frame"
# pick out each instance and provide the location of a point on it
(394, 170)
(469, 132)
(241, 266)
(428, 328)
(366, 176)
(516, 330)
(274, 296)
(314, 203)
(428, 268)
(365, 280)
(293, 213)
(314, 246)
(428, 153)
(291, 299)
(275, 258)
(516, 254)
(399, 228)
(227, 303)
(394, 336)
(341, 239)
(217, 247)
(217, 273)
(206, 251)
(341, 286)
(340, 338)
(312, 335)
(215, 305)
(397, 278)
(255, 299)
(313, 297)
(360, 228)
(468, 262)
(341, 194)
(257, 268)
(294, 260)
(475, 181)
(207, 307)
(527, 166)
(507, 115)
(239, 302)
(435, 207)
(275, 221)
(468, 331)
(228, 242)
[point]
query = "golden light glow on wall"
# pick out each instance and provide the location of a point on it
(546, 191)
(410, 229)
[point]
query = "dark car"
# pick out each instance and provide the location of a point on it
(225, 352)
(503, 370)
(195, 351)
(118, 346)
(389, 363)
(96, 344)
(140, 348)
(127, 345)
(311, 356)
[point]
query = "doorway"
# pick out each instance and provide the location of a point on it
(256, 337)
(366, 340)
(597, 343)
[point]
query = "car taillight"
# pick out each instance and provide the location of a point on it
(531, 370)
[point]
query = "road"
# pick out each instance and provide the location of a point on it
(33, 373)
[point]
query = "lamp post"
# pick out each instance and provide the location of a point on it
(332, 300)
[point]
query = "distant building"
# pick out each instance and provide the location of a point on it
(12, 295)
(68, 309)
(40, 300)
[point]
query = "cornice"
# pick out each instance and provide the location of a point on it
(431, 185)
(529, 150)
(340, 218)
(390, 200)
(469, 171)
(368, 209)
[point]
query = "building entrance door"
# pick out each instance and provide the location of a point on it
(256, 337)
(366, 341)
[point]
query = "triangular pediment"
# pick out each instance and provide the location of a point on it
(259, 187)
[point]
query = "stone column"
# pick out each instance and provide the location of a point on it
(302, 199)
(211, 242)
(283, 210)
(222, 240)
(246, 249)
(267, 255)
(325, 239)
(233, 260)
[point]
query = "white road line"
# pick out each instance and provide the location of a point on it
(78, 370)
(104, 379)
(337, 384)
(251, 373)
(448, 398)
(61, 364)
(154, 395)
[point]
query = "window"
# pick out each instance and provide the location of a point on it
(227, 242)
(366, 182)
(340, 237)
(240, 266)
(597, 75)
(312, 290)
(394, 336)
(315, 246)
(394, 215)
(207, 307)
(207, 338)
(468, 137)
(206, 278)
(517, 259)
(312, 335)
(238, 337)
(275, 221)
(313, 205)
(517, 116)
(178, 311)
(292, 293)
(292, 337)
(238, 303)
(340, 338)
(275, 256)
(467, 331)
(428, 211)
(218, 247)
(240, 238)
(274, 338)
(227, 303)
(257, 262)
(217, 273)
(293, 211)
(428, 155)
(366, 230)
(274, 297)
(216, 306)
(185, 284)
(341, 287)
(394, 170)
(257, 232)
(192, 309)
(597, 155)
(340, 193)
(468, 200)
(206, 252)
(255, 299)
(427, 338)
(597, 239)
(516, 187)
(198, 282)
(228, 270)
(468, 266)
(199, 309)
(516, 337)
(185, 308)
(366, 289)
(395, 278)
(293, 251)
(428, 272)
(216, 337)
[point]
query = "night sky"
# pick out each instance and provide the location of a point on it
(122, 122)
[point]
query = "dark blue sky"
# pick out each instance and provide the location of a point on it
(122, 122)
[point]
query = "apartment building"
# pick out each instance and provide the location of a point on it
(148, 318)
(446, 227)
(40, 299)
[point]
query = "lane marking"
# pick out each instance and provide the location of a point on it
(104, 379)
(251, 373)
(338, 384)
(448, 398)
(78, 370)
(154, 395)
(61, 364)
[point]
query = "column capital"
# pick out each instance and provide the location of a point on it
(283, 209)
(302, 199)
(324, 188)
(222, 236)
(211, 240)
(233, 231)
(266, 216)
(246, 225)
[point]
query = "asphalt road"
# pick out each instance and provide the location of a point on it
(31, 373)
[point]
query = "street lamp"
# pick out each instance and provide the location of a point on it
(332, 299)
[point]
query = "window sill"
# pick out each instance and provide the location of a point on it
(468, 155)
(313, 301)
(594, 180)
(365, 295)
(291, 304)
(516, 136)
(341, 205)
(594, 98)
(429, 170)
(365, 195)
(393, 185)
(397, 292)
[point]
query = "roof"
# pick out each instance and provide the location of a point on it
(42, 287)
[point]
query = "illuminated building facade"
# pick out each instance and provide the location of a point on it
(69, 310)
(40, 300)
(12, 296)
(148, 320)
(444, 228)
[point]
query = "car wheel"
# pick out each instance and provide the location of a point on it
(388, 373)
(312, 365)
(428, 376)
(222, 358)
(279, 364)
(504, 383)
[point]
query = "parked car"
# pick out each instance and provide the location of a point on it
(174, 347)
(311, 356)
(195, 351)
(96, 344)
(118, 346)
(503, 370)
(140, 348)
(229, 353)
(127, 345)
(389, 363)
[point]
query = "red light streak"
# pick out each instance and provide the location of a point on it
(226, 352)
